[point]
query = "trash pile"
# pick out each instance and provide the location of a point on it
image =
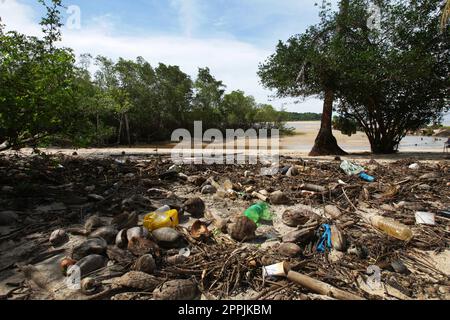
(123, 229)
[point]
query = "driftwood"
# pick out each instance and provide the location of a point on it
(320, 287)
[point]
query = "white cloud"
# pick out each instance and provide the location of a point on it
(232, 61)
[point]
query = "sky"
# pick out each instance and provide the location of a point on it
(231, 37)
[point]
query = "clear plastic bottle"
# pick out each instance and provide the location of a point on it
(392, 228)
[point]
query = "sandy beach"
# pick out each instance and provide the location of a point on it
(297, 145)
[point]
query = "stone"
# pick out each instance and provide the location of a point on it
(145, 264)
(399, 267)
(243, 229)
(92, 223)
(89, 286)
(208, 189)
(108, 233)
(125, 221)
(195, 206)
(197, 180)
(279, 198)
(176, 290)
(91, 263)
(137, 232)
(166, 235)
(333, 212)
(8, 218)
(335, 256)
(290, 250)
(295, 218)
(91, 246)
(141, 246)
(137, 280)
(121, 239)
(298, 236)
(58, 237)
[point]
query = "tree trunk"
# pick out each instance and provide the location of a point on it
(382, 146)
(119, 135)
(326, 144)
(127, 127)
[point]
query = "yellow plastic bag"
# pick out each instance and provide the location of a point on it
(156, 220)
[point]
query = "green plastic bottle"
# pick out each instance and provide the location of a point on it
(259, 211)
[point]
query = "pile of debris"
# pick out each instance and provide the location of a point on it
(86, 228)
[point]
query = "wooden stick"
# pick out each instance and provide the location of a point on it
(321, 287)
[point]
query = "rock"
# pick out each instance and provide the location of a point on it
(195, 206)
(91, 263)
(197, 180)
(89, 189)
(93, 223)
(295, 218)
(89, 286)
(333, 212)
(292, 172)
(121, 239)
(290, 250)
(182, 176)
(338, 239)
(145, 264)
(399, 267)
(208, 189)
(284, 170)
(335, 256)
(279, 198)
(91, 246)
(125, 221)
(58, 237)
(141, 246)
(176, 290)
(243, 230)
(137, 280)
(137, 232)
(298, 236)
(444, 290)
(167, 237)
(169, 175)
(8, 218)
(424, 187)
(123, 257)
(108, 233)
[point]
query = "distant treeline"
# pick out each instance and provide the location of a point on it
(308, 116)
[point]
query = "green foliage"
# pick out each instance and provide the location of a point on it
(390, 81)
(36, 85)
(308, 116)
(347, 126)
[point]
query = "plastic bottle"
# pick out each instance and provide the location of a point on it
(161, 218)
(392, 228)
(259, 211)
(366, 177)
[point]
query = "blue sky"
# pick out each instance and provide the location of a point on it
(231, 37)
